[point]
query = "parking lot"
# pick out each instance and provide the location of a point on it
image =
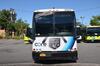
(15, 51)
(89, 53)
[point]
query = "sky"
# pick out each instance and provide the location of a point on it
(25, 8)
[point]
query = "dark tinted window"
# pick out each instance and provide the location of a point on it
(54, 23)
(93, 31)
(64, 17)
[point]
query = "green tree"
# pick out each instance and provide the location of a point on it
(20, 26)
(95, 21)
(4, 18)
(10, 24)
(7, 17)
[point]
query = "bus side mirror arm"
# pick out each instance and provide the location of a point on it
(76, 37)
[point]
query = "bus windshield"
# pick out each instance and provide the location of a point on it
(54, 23)
(93, 31)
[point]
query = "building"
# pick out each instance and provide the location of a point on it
(2, 34)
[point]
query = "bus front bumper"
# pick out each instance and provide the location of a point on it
(73, 56)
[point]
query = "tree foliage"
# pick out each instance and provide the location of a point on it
(10, 24)
(20, 26)
(95, 21)
(7, 17)
(4, 18)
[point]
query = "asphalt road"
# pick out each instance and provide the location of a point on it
(15, 51)
(89, 53)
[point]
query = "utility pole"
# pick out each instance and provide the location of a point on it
(12, 19)
(13, 15)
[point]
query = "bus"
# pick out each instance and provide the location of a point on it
(54, 35)
(92, 34)
(27, 39)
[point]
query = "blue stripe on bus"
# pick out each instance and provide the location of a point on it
(69, 43)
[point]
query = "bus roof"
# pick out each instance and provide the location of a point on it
(47, 10)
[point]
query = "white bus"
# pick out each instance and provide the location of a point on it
(54, 34)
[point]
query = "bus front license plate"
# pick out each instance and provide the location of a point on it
(42, 55)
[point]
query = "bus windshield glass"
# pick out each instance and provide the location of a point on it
(54, 23)
(93, 31)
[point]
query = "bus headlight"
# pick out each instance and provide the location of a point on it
(33, 49)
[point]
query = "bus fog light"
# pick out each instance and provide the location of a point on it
(42, 54)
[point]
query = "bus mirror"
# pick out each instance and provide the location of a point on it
(77, 37)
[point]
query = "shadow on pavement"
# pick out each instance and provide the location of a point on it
(54, 62)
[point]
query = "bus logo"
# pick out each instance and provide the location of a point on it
(54, 43)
